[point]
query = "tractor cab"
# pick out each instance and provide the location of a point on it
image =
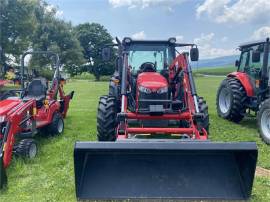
(148, 63)
(154, 84)
(254, 62)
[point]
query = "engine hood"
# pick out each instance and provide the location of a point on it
(151, 80)
(7, 105)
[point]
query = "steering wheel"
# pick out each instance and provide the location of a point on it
(148, 67)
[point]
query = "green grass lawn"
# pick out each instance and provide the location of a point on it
(49, 177)
(216, 70)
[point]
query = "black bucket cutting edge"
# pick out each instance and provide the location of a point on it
(164, 170)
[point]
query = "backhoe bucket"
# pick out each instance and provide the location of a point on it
(164, 170)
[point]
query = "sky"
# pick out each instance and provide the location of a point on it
(217, 26)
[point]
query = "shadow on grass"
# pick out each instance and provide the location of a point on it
(249, 122)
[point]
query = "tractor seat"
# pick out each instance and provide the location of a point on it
(36, 90)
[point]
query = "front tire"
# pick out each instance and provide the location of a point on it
(106, 119)
(263, 119)
(27, 148)
(204, 121)
(230, 100)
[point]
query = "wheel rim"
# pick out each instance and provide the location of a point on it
(32, 150)
(60, 126)
(224, 100)
(265, 123)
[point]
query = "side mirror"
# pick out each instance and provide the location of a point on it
(106, 54)
(194, 54)
(256, 56)
(237, 63)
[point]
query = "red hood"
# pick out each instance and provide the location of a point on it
(152, 80)
(7, 105)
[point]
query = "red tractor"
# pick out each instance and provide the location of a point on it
(248, 89)
(153, 130)
(36, 110)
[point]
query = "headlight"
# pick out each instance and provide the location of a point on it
(144, 90)
(2, 119)
(162, 90)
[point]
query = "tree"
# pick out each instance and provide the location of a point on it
(33, 24)
(93, 37)
(17, 22)
(57, 35)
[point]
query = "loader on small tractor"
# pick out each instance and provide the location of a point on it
(248, 88)
(37, 109)
(153, 130)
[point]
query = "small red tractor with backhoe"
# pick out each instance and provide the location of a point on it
(35, 110)
(248, 89)
(152, 131)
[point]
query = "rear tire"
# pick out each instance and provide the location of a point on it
(230, 100)
(263, 119)
(204, 122)
(56, 127)
(27, 148)
(106, 119)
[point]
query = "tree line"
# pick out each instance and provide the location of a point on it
(34, 25)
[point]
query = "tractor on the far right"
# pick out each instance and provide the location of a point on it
(248, 89)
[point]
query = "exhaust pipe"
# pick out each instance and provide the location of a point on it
(164, 170)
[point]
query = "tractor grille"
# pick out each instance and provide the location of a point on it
(155, 97)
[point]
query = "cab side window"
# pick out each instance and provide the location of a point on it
(244, 60)
(256, 65)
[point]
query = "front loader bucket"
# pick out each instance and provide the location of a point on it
(164, 170)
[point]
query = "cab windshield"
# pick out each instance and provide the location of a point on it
(246, 64)
(160, 55)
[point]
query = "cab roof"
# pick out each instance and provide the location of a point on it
(252, 43)
(169, 41)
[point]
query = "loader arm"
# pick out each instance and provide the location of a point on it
(15, 118)
(179, 64)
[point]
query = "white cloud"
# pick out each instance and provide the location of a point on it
(238, 11)
(145, 3)
(50, 8)
(179, 38)
(261, 33)
(139, 35)
(207, 50)
(59, 13)
(204, 39)
(212, 7)
(224, 39)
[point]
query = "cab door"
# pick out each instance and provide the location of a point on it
(252, 69)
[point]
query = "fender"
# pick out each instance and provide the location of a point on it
(44, 115)
(113, 88)
(245, 81)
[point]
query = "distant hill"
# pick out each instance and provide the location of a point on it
(215, 62)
